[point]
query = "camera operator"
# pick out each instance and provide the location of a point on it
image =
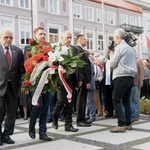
(123, 63)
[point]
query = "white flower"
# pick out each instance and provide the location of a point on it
(52, 56)
(74, 64)
(64, 50)
(60, 58)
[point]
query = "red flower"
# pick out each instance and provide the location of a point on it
(28, 54)
(46, 49)
(29, 70)
(30, 41)
(45, 58)
(43, 42)
(39, 47)
(37, 57)
(27, 83)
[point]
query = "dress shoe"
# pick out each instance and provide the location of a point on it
(32, 132)
(55, 125)
(118, 129)
(8, 141)
(89, 121)
(44, 137)
(49, 120)
(83, 124)
(129, 127)
(71, 129)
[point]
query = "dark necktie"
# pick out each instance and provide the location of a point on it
(8, 58)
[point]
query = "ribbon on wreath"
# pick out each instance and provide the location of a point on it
(43, 79)
(67, 87)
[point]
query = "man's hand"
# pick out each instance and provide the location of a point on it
(88, 85)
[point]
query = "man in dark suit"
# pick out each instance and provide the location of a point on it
(62, 101)
(41, 110)
(84, 80)
(11, 70)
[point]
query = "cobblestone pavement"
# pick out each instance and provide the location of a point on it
(96, 137)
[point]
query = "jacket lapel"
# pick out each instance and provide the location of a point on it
(3, 60)
(13, 55)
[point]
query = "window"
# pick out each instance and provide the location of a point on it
(89, 41)
(24, 3)
(111, 18)
(54, 5)
(99, 15)
(53, 35)
(133, 20)
(89, 13)
(124, 19)
(77, 10)
(7, 22)
(7, 2)
(25, 34)
(100, 42)
(148, 25)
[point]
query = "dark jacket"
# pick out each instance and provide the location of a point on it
(14, 73)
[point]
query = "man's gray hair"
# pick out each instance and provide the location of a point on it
(120, 33)
(64, 33)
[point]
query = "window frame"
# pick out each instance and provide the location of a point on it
(135, 20)
(24, 22)
(97, 16)
(124, 18)
(91, 18)
(11, 3)
(57, 5)
(111, 17)
(29, 5)
(79, 7)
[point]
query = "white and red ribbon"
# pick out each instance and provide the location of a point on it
(68, 89)
(42, 82)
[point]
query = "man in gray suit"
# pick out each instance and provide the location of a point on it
(11, 71)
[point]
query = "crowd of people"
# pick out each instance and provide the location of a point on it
(109, 86)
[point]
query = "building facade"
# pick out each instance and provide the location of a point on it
(145, 38)
(97, 19)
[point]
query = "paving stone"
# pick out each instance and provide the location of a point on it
(116, 138)
(145, 146)
(60, 145)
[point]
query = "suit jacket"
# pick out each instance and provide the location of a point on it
(84, 74)
(14, 73)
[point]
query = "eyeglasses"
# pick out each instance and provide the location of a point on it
(8, 37)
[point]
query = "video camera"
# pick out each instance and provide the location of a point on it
(129, 38)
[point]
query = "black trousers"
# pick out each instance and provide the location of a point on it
(8, 107)
(121, 99)
(145, 89)
(61, 103)
(108, 91)
(81, 103)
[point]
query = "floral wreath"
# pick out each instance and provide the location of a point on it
(47, 67)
